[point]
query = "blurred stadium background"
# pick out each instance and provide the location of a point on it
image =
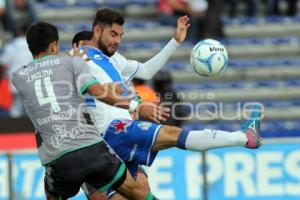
(264, 66)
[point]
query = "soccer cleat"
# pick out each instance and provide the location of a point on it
(251, 129)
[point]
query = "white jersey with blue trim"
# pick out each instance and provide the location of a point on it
(106, 70)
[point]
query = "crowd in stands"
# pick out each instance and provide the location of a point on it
(9, 11)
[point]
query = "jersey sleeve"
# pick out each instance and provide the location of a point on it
(149, 68)
(128, 68)
(82, 76)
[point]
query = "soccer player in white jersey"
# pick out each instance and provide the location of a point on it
(138, 142)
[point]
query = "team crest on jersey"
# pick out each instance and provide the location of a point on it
(144, 125)
(121, 126)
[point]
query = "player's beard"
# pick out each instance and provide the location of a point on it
(105, 48)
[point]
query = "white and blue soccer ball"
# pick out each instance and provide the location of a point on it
(209, 57)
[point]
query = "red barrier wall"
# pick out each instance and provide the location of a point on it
(17, 141)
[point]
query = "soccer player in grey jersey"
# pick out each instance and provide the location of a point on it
(68, 144)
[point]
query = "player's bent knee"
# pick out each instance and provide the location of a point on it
(131, 189)
(142, 179)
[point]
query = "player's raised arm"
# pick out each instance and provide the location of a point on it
(148, 69)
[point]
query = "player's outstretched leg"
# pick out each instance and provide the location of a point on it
(199, 140)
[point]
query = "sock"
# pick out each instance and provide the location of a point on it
(200, 140)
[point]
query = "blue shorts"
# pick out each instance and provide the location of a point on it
(132, 141)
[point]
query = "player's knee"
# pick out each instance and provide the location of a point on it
(140, 190)
(136, 190)
(142, 179)
(132, 189)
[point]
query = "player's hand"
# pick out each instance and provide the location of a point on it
(153, 112)
(181, 29)
(77, 51)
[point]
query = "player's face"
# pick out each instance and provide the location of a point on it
(110, 38)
